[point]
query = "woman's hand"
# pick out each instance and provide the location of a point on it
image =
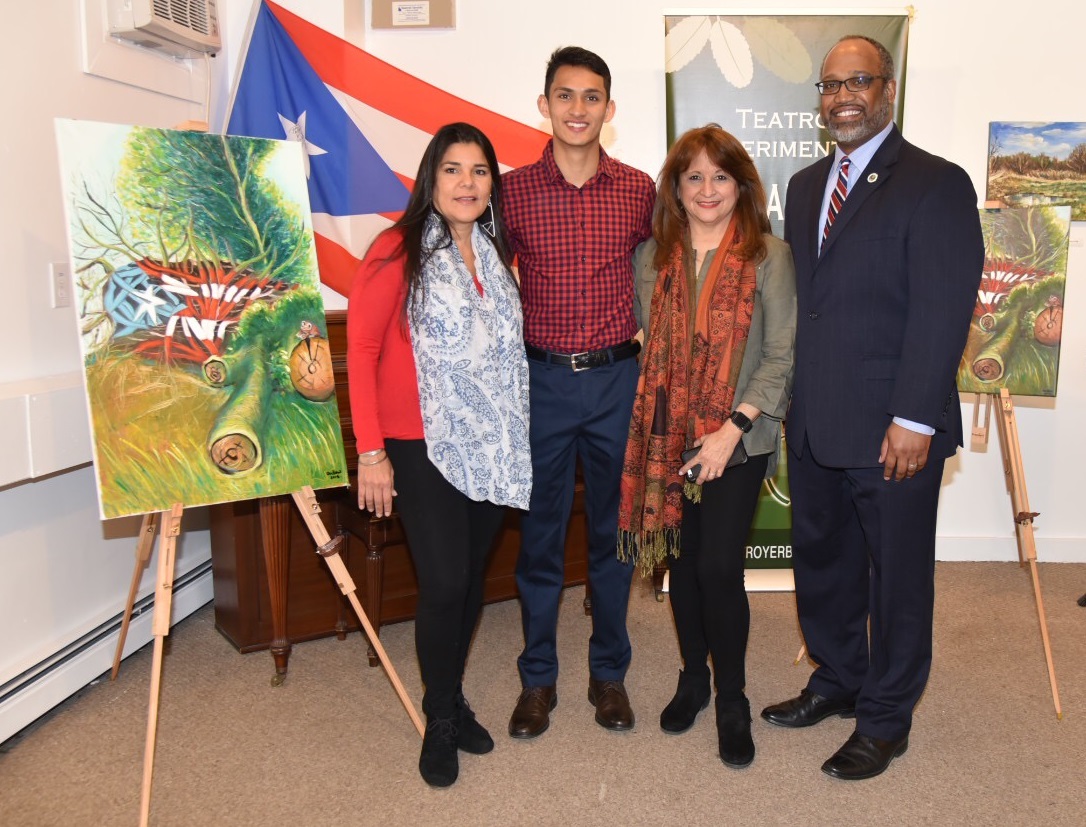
(716, 450)
(375, 491)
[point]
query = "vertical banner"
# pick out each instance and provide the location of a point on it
(754, 74)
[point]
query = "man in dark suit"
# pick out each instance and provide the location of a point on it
(888, 252)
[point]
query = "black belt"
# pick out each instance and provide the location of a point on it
(587, 360)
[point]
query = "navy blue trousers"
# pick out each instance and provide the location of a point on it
(864, 551)
(585, 415)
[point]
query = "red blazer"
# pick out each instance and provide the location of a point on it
(384, 388)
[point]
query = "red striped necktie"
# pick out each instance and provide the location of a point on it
(837, 197)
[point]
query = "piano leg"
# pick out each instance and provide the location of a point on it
(275, 528)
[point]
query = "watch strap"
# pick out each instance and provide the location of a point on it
(741, 421)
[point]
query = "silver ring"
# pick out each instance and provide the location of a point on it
(912, 464)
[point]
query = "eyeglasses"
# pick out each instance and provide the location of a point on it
(860, 83)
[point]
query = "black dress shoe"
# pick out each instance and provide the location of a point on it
(807, 709)
(438, 764)
(612, 704)
(733, 732)
(864, 757)
(471, 736)
(691, 697)
(532, 714)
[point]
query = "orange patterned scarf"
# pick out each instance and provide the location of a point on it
(686, 390)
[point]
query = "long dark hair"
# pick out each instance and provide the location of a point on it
(412, 225)
(723, 149)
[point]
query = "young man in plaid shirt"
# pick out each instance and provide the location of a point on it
(574, 219)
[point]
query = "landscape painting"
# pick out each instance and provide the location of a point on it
(1032, 164)
(1014, 337)
(205, 352)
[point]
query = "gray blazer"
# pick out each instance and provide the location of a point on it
(765, 378)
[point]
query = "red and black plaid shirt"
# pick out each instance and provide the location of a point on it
(574, 248)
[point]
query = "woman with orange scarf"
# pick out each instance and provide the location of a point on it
(718, 302)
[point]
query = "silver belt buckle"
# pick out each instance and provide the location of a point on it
(573, 361)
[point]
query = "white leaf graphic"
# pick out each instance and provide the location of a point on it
(778, 49)
(731, 53)
(685, 40)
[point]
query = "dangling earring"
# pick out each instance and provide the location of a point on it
(488, 226)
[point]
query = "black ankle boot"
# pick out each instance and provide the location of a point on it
(733, 732)
(691, 697)
(438, 764)
(471, 736)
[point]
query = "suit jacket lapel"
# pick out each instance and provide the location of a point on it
(875, 174)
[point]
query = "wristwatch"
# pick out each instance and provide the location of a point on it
(741, 421)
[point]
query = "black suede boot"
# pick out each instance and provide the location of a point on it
(438, 763)
(691, 697)
(471, 735)
(733, 732)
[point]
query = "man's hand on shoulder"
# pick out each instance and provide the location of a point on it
(904, 452)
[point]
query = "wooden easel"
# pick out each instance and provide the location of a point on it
(143, 556)
(327, 548)
(1015, 473)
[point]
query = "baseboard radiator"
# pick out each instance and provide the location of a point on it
(31, 694)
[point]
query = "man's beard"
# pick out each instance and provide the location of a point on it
(868, 126)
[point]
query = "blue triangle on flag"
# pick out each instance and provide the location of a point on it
(347, 176)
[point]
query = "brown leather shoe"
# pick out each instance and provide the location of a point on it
(612, 704)
(532, 714)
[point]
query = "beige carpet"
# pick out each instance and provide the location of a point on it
(332, 746)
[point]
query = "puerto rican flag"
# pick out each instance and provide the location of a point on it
(363, 124)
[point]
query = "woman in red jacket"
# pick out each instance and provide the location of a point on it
(439, 401)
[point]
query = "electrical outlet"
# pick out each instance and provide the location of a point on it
(60, 281)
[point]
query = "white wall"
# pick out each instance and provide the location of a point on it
(62, 570)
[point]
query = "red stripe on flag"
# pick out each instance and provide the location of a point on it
(403, 96)
(337, 266)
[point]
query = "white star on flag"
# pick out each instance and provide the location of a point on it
(295, 131)
(149, 304)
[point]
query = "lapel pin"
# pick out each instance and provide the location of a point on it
(872, 178)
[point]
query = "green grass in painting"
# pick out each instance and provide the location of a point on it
(1009, 187)
(151, 425)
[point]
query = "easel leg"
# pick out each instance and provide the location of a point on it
(1014, 468)
(327, 548)
(143, 556)
(160, 626)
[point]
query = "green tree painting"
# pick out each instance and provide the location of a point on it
(207, 367)
(1014, 337)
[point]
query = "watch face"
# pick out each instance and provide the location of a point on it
(742, 421)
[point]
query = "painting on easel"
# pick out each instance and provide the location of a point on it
(1031, 164)
(207, 367)
(1014, 337)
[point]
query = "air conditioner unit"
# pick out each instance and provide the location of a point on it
(180, 28)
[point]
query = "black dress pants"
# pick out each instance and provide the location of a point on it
(708, 593)
(449, 537)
